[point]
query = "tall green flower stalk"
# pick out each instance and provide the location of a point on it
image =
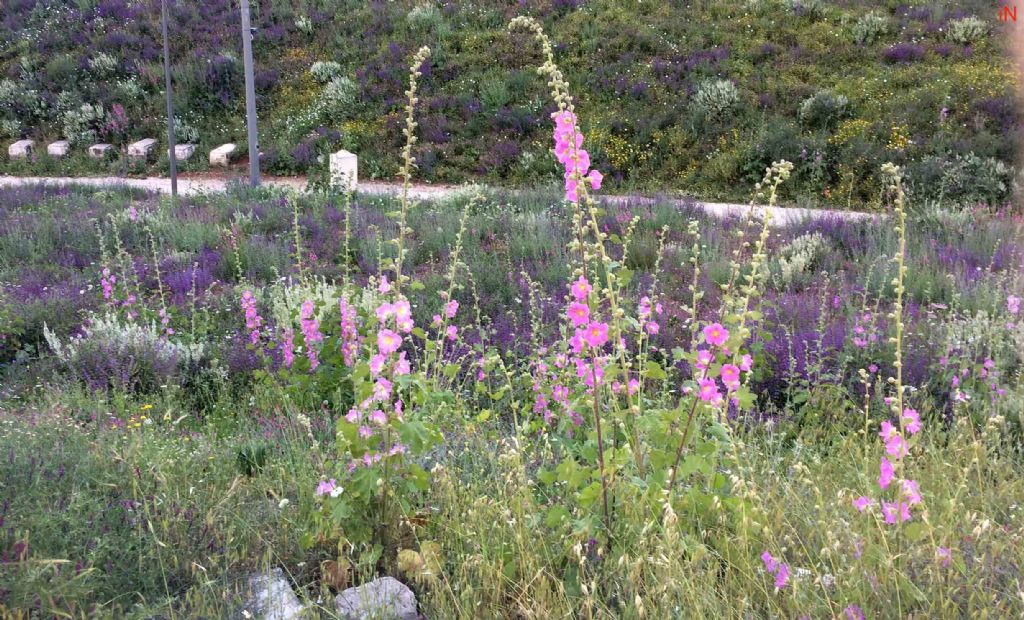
(408, 163)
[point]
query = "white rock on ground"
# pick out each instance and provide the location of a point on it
(183, 152)
(271, 597)
(20, 149)
(344, 170)
(60, 148)
(221, 156)
(382, 599)
(101, 151)
(141, 149)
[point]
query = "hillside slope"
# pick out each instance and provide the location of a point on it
(691, 96)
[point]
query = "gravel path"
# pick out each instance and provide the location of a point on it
(199, 185)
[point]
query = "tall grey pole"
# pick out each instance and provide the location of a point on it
(250, 97)
(172, 157)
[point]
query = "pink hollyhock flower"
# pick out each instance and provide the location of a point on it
(704, 359)
(577, 342)
(353, 416)
(402, 365)
(384, 311)
(382, 389)
(436, 321)
(596, 334)
(388, 341)
(581, 288)
(894, 511)
(572, 190)
(1013, 304)
(405, 326)
(887, 430)
(887, 473)
(911, 492)
(378, 417)
(776, 567)
(644, 309)
(782, 576)
(911, 420)
(384, 286)
(730, 376)
(715, 334)
(578, 313)
(709, 390)
(746, 363)
(377, 364)
(633, 386)
(325, 487)
(896, 447)
(365, 432)
(595, 179)
(653, 328)
(452, 332)
(451, 308)
(402, 309)
(861, 503)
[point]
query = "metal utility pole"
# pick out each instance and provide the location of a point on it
(250, 97)
(172, 157)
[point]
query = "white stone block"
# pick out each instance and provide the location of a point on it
(101, 151)
(21, 149)
(141, 149)
(60, 148)
(344, 170)
(386, 597)
(183, 152)
(221, 156)
(272, 597)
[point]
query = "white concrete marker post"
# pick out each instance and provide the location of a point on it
(221, 156)
(101, 151)
(60, 148)
(142, 149)
(183, 152)
(21, 149)
(344, 168)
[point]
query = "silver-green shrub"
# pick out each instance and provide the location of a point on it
(966, 30)
(325, 71)
(870, 28)
(715, 98)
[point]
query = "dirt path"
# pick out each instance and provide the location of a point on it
(191, 185)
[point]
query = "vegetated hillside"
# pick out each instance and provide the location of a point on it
(692, 96)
